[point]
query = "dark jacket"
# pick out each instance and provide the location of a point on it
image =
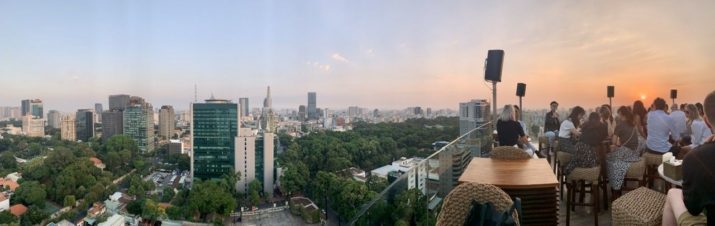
(593, 133)
(509, 132)
(699, 179)
(551, 123)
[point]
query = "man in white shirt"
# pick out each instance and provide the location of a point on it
(678, 116)
(661, 128)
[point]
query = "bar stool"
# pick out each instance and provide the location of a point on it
(561, 159)
(582, 176)
(639, 207)
(652, 161)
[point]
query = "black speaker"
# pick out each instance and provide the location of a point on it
(520, 89)
(673, 93)
(495, 60)
(611, 91)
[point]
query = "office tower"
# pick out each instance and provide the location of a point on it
(84, 124)
(138, 121)
(32, 126)
(245, 108)
(353, 111)
(10, 113)
(112, 124)
(54, 119)
(267, 102)
(118, 102)
(254, 160)
(301, 113)
(98, 110)
(214, 127)
(472, 115)
(312, 106)
(167, 121)
(32, 107)
(267, 118)
(67, 128)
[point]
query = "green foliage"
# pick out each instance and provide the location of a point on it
(70, 200)
(310, 216)
(182, 162)
(33, 216)
(151, 211)
(6, 218)
(135, 207)
(209, 198)
(7, 161)
(167, 195)
(295, 178)
(254, 189)
(30, 193)
(376, 184)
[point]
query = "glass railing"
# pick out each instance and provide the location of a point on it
(417, 194)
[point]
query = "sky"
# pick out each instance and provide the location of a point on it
(375, 54)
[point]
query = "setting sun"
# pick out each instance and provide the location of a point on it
(643, 96)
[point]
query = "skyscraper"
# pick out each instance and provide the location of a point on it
(301, 113)
(214, 127)
(138, 121)
(243, 104)
(67, 128)
(167, 121)
(112, 123)
(267, 102)
(312, 106)
(84, 124)
(98, 110)
(54, 119)
(32, 126)
(473, 114)
(118, 102)
(32, 107)
(267, 117)
(254, 160)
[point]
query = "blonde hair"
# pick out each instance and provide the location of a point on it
(507, 114)
(693, 112)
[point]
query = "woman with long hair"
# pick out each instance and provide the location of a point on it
(699, 130)
(593, 132)
(607, 118)
(639, 117)
(624, 149)
(509, 131)
(569, 130)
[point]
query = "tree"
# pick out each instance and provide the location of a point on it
(254, 189)
(152, 211)
(7, 161)
(135, 207)
(376, 184)
(70, 200)
(31, 193)
(295, 177)
(210, 197)
(7, 218)
(33, 216)
(167, 194)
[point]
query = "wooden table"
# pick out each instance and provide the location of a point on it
(532, 180)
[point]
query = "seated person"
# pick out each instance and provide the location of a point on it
(593, 133)
(569, 130)
(509, 131)
(685, 207)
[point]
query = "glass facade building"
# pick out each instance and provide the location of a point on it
(138, 123)
(214, 129)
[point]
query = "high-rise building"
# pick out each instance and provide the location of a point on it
(354, 111)
(267, 116)
(67, 128)
(32, 126)
(32, 107)
(98, 112)
(214, 127)
(167, 121)
(254, 160)
(10, 113)
(301, 113)
(138, 121)
(112, 124)
(119, 101)
(54, 119)
(474, 114)
(312, 106)
(245, 108)
(267, 102)
(84, 124)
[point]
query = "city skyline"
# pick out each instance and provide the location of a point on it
(373, 54)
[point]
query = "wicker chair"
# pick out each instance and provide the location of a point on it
(636, 172)
(458, 202)
(583, 177)
(562, 159)
(638, 207)
(651, 162)
(509, 152)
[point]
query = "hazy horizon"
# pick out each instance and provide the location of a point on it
(373, 54)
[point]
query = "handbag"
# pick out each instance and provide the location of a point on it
(484, 214)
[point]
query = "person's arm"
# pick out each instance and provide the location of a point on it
(692, 177)
(696, 138)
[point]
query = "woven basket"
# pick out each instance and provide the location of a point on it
(508, 152)
(458, 202)
(638, 207)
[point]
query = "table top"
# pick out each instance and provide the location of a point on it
(528, 173)
(670, 180)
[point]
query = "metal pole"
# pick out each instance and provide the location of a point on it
(494, 99)
(610, 104)
(521, 111)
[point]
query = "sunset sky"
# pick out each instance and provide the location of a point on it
(377, 54)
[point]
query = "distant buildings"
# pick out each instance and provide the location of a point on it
(54, 119)
(32, 107)
(10, 113)
(84, 124)
(32, 126)
(244, 105)
(112, 123)
(67, 128)
(214, 128)
(167, 122)
(254, 159)
(312, 110)
(473, 114)
(119, 101)
(98, 112)
(138, 124)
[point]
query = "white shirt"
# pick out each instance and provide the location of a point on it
(701, 133)
(660, 127)
(565, 129)
(680, 121)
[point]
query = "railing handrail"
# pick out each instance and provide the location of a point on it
(372, 202)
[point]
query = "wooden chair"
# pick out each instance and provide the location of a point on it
(509, 153)
(457, 204)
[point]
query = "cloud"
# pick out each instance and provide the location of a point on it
(338, 57)
(320, 66)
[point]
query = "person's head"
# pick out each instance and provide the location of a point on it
(709, 107)
(605, 112)
(507, 113)
(576, 114)
(554, 105)
(683, 107)
(692, 112)
(700, 109)
(594, 117)
(639, 108)
(660, 104)
(626, 116)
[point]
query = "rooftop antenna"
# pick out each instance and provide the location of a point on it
(196, 99)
